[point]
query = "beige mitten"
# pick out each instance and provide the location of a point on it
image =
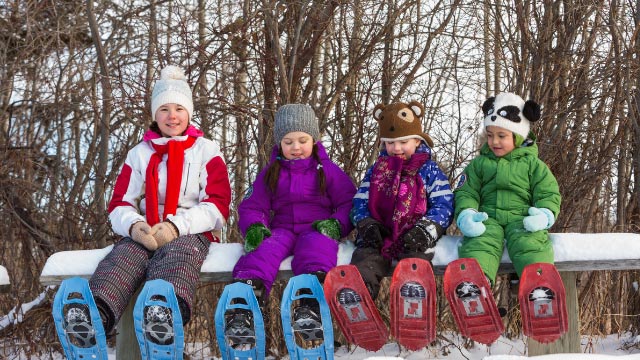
(164, 233)
(141, 233)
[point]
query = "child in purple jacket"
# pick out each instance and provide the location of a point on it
(298, 205)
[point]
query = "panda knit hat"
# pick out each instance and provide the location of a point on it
(295, 117)
(509, 111)
(172, 88)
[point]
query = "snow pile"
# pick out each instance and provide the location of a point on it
(4, 276)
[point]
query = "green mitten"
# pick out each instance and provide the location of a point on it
(254, 236)
(329, 227)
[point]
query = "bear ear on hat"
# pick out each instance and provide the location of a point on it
(531, 110)
(377, 112)
(417, 108)
(488, 105)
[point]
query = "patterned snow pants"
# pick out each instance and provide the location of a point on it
(129, 264)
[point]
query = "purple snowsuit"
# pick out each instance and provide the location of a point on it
(290, 213)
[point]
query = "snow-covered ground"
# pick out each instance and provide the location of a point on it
(609, 348)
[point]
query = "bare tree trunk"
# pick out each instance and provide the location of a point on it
(103, 125)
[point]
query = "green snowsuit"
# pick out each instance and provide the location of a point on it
(505, 187)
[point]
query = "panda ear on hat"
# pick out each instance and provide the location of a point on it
(531, 110)
(488, 105)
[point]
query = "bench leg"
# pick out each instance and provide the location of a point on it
(569, 342)
(126, 342)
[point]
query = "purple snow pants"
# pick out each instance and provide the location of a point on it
(311, 252)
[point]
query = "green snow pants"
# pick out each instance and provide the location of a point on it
(524, 247)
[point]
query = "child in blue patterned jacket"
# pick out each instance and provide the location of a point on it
(404, 203)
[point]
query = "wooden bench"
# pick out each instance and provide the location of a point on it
(5, 284)
(621, 251)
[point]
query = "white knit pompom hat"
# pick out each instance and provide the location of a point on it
(172, 88)
(509, 111)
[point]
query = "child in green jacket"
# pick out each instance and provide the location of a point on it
(507, 192)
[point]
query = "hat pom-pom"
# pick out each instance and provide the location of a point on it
(172, 72)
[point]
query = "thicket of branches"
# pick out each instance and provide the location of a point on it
(74, 97)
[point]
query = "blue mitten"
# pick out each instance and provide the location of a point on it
(470, 222)
(538, 219)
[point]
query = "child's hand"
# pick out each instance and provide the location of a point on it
(470, 222)
(164, 232)
(329, 227)
(372, 232)
(254, 236)
(141, 233)
(422, 236)
(538, 219)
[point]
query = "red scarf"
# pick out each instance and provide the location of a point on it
(397, 197)
(175, 162)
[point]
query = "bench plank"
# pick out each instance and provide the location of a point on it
(621, 252)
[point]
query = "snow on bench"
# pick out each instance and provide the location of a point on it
(5, 284)
(574, 252)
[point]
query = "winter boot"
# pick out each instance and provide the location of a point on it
(307, 321)
(239, 328)
(158, 324)
(78, 325)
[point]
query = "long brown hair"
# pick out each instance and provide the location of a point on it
(273, 172)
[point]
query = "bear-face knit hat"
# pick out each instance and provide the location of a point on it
(295, 117)
(400, 121)
(509, 111)
(172, 88)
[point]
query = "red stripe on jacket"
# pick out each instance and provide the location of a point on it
(122, 184)
(218, 188)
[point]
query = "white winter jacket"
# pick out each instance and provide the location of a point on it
(205, 192)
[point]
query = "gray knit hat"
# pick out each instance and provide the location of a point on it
(172, 88)
(295, 117)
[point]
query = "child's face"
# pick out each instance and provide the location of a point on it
(296, 145)
(500, 140)
(172, 119)
(402, 148)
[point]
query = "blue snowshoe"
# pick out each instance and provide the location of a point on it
(78, 321)
(311, 318)
(158, 322)
(239, 323)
